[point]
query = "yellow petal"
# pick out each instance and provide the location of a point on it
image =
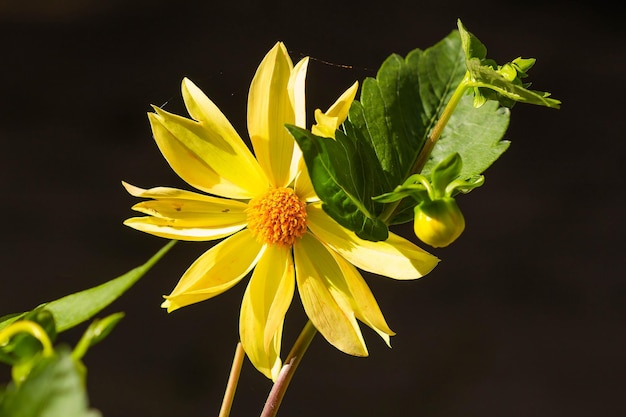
(362, 300)
(325, 125)
(221, 132)
(325, 304)
(265, 302)
(340, 108)
(395, 257)
(330, 121)
(269, 109)
(186, 209)
(204, 159)
(296, 88)
(167, 192)
(189, 213)
(217, 270)
(169, 229)
(303, 186)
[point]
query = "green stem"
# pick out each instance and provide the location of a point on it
(31, 328)
(277, 393)
(233, 379)
(428, 147)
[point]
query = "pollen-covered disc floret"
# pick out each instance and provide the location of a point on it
(277, 217)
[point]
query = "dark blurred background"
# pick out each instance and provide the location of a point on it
(525, 315)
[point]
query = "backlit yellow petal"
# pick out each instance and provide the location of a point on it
(296, 91)
(395, 257)
(168, 192)
(361, 297)
(340, 108)
(269, 109)
(327, 123)
(217, 270)
(303, 186)
(265, 302)
(325, 304)
(189, 209)
(185, 215)
(189, 213)
(222, 133)
(175, 229)
(204, 159)
(297, 97)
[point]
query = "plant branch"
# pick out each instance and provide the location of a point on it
(233, 379)
(435, 133)
(277, 393)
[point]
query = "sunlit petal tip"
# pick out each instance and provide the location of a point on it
(167, 304)
(279, 47)
(386, 338)
(132, 189)
(340, 107)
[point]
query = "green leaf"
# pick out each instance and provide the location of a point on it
(384, 134)
(486, 77)
(52, 389)
(95, 333)
(445, 172)
(24, 346)
(100, 328)
(501, 83)
(76, 308)
(345, 175)
(475, 134)
(397, 109)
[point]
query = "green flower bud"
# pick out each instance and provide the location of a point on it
(439, 222)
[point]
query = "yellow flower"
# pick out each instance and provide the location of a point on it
(270, 216)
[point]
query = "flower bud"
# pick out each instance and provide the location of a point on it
(439, 222)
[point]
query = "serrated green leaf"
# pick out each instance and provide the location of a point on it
(486, 77)
(476, 134)
(501, 83)
(398, 108)
(379, 115)
(345, 175)
(76, 308)
(393, 117)
(52, 389)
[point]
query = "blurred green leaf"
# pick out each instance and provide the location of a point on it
(95, 333)
(23, 346)
(76, 308)
(52, 389)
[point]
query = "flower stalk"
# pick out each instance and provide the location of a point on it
(233, 379)
(279, 388)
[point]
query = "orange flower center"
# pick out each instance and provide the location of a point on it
(277, 217)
